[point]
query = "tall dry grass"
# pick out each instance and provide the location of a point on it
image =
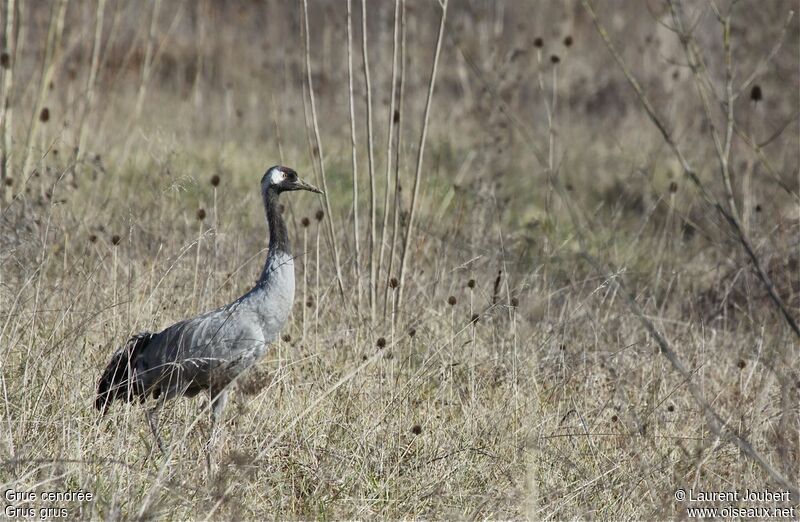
(580, 268)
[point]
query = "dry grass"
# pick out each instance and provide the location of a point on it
(554, 404)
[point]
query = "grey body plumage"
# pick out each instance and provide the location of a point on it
(209, 351)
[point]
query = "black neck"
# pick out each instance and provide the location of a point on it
(278, 235)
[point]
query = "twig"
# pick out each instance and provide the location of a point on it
(148, 59)
(320, 156)
(697, 67)
(398, 149)
(389, 141)
(371, 160)
(420, 156)
(354, 153)
(6, 112)
(91, 80)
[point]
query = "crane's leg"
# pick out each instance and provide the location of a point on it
(152, 419)
(219, 398)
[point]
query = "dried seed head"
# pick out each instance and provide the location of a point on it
(319, 215)
(215, 180)
(755, 93)
(92, 238)
(305, 222)
(614, 418)
(515, 302)
(394, 283)
(287, 338)
(412, 332)
(44, 116)
(673, 187)
(758, 208)
(471, 283)
(201, 214)
(381, 342)
(474, 318)
(741, 364)
(416, 429)
(452, 300)
(670, 408)
(538, 42)
(115, 239)
(309, 303)
(568, 41)
(554, 59)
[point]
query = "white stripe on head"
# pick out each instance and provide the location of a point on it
(276, 176)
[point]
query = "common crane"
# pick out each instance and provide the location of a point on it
(209, 351)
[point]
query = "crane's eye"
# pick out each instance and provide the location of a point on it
(277, 176)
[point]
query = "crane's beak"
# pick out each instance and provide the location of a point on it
(302, 185)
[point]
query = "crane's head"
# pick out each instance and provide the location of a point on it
(282, 179)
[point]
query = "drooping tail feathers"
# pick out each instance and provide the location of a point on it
(119, 378)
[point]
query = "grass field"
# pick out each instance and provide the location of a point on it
(591, 314)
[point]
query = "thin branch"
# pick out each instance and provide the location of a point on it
(398, 149)
(90, 82)
(320, 156)
(354, 151)
(697, 67)
(371, 160)
(420, 156)
(6, 112)
(390, 137)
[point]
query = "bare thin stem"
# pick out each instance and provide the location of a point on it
(354, 153)
(697, 67)
(390, 139)
(371, 159)
(320, 156)
(420, 157)
(90, 82)
(6, 112)
(148, 59)
(398, 149)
